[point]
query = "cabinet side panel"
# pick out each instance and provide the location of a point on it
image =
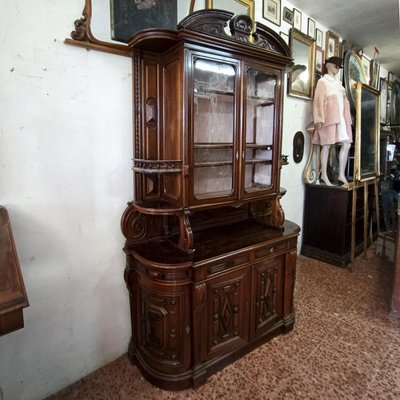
(173, 106)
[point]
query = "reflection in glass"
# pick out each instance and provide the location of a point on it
(260, 114)
(367, 132)
(301, 77)
(213, 118)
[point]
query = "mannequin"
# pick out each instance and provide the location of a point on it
(332, 119)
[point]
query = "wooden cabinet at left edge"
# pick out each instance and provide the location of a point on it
(211, 259)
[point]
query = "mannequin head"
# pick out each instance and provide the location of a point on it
(333, 65)
(332, 69)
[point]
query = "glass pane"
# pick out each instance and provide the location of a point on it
(214, 102)
(368, 140)
(260, 122)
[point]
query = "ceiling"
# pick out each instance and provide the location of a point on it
(365, 23)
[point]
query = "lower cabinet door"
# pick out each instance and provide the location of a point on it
(163, 327)
(267, 291)
(226, 313)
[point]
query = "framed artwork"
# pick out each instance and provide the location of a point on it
(395, 104)
(297, 17)
(244, 7)
(319, 60)
(284, 36)
(391, 77)
(367, 133)
(311, 28)
(301, 77)
(287, 15)
(353, 70)
(383, 100)
(318, 37)
(331, 45)
(128, 17)
(272, 11)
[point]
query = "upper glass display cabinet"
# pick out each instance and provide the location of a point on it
(207, 123)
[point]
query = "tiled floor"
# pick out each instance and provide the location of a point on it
(344, 346)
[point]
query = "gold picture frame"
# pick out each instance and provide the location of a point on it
(331, 45)
(366, 162)
(222, 4)
(301, 77)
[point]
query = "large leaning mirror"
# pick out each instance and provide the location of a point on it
(103, 20)
(301, 77)
(367, 133)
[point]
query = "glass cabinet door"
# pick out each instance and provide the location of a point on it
(260, 127)
(214, 127)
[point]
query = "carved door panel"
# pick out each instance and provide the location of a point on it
(163, 331)
(227, 307)
(267, 303)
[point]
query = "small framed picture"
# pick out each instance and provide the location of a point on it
(331, 45)
(319, 38)
(272, 11)
(287, 15)
(311, 28)
(297, 16)
(284, 36)
(319, 60)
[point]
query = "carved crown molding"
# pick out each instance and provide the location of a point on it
(242, 28)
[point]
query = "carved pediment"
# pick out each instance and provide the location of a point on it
(214, 22)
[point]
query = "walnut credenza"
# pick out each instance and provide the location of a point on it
(192, 317)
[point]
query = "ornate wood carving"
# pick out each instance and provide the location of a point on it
(186, 237)
(225, 304)
(82, 35)
(157, 166)
(277, 215)
(266, 300)
(161, 315)
(241, 27)
(80, 32)
(137, 226)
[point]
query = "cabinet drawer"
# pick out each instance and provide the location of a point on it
(271, 249)
(213, 268)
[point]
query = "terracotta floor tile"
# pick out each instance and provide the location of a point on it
(344, 346)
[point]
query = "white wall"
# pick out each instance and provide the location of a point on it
(65, 157)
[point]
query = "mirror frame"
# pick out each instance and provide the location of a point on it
(82, 36)
(297, 36)
(353, 70)
(365, 110)
(247, 3)
(394, 104)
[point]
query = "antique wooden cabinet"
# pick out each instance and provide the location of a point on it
(13, 298)
(210, 258)
(330, 215)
